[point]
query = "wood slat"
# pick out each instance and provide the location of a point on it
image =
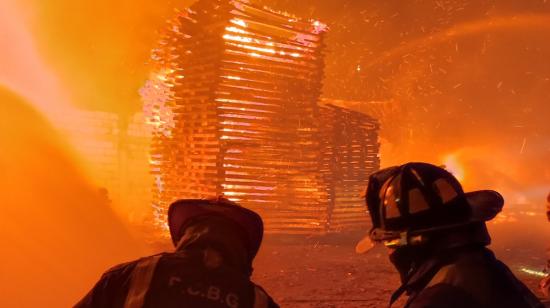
(238, 116)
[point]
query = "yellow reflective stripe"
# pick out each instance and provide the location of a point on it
(140, 280)
(260, 298)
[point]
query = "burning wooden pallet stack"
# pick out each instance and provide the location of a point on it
(349, 154)
(234, 103)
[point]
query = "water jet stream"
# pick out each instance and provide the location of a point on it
(57, 234)
(514, 22)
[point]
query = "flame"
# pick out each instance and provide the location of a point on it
(239, 22)
(455, 167)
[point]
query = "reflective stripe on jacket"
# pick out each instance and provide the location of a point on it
(143, 274)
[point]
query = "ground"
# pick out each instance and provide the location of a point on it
(324, 275)
(324, 272)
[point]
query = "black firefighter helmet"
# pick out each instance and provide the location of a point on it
(185, 211)
(408, 201)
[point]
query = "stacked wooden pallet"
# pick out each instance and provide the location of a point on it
(349, 155)
(159, 108)
(234, 101)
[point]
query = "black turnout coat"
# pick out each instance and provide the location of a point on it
(179, 279)
(467, 277)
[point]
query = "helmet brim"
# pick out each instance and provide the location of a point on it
(365, 245)
(484, 204)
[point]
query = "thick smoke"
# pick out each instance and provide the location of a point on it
(57, 231)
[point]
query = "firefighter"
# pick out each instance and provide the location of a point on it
(216, 241)
(437, 238)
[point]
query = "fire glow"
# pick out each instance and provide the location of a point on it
(452, 164)
(259, 127)
(467, 80)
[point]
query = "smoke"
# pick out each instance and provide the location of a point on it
(464, 78)
(57, 231)
(457, 76)
(100, 49)
(23, 69)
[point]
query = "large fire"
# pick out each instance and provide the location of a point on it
(459, 83)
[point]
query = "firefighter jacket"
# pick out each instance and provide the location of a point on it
(467, 277)
(177, 279)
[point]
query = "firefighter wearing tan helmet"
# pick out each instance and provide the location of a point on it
(437, 238)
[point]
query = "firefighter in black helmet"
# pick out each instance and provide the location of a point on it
(216, 241)
(437, 237)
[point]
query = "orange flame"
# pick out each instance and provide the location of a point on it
(453, 165)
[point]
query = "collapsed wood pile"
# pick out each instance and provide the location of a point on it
(234, 104)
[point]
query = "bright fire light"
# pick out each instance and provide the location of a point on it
(452, 165)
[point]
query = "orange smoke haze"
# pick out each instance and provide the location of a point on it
(22, 66)
(460, 83)
(445, 77)
(57, 232)
(460, 75)
(99, 49)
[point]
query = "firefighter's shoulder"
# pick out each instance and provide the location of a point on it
(126, 267)
(444, 295)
